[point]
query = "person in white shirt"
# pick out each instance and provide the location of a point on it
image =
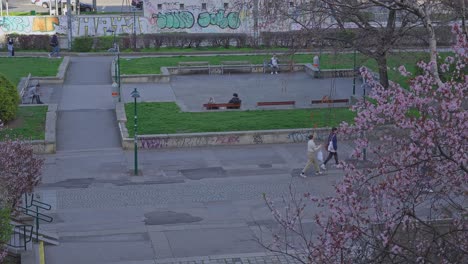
(274, 64)
(312, 149)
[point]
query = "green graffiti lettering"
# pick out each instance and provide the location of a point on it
(175, 20)
(233, 20)
(15, 24)
(219, 19)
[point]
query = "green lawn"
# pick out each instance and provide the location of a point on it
(29, 123)
(210, 49)
(162, 118)
(17, 67)
(151, 65)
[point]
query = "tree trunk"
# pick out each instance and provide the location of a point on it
(94, 5)
(383, 73)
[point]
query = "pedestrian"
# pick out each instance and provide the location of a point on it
(54, 43)
(311, 157)
(235, 100)
(274, 64)
(332, 148)
(11, 48)
(34, 93)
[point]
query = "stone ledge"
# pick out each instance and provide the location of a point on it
(48, 145)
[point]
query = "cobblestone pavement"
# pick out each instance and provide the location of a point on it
(254, 258)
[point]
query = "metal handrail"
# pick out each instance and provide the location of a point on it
(36, 214)
(36, 203)
(23, 234)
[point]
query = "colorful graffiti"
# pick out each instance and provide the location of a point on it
(28, 24)
(186, 20)
(45, 24)
(96, 26)
(232, 20)
(175, 20)
(19, 25)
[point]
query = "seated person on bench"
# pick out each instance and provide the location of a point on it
(235, 100)
(34, 94)
(211, 101)
(274, 64)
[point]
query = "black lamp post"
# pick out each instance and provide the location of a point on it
(354, 68)
(116, 49)
(135, 94)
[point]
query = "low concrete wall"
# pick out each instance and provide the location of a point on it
(217, 138)
(166, 72)
(336, 73)
(48, 145)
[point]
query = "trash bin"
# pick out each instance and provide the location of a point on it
(33, 12)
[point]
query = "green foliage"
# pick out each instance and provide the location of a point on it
(30, 42)
(162, 118)
(105, 43)
(82, 44)
(9, 100)
(5, 227)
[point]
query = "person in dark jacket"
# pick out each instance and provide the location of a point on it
(11, 48)
(332, 148)
(54, 43)
(235, 100)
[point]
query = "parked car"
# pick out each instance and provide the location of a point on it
(137, 3)
(46, 3)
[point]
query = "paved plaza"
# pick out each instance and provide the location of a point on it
(192, 205)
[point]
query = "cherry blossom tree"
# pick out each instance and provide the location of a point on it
(20, 172)
(407, 202)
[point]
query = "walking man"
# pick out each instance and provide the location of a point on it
(332, 148)
(311, 157)
(54, 43)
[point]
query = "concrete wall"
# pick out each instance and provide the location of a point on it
(213, 139)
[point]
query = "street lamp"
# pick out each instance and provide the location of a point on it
(354, 68)
(135, 94)
(134, 28)
(116, 50)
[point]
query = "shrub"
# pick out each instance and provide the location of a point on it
(104, 43)
(9, 100)
(30, 42)
(82, 44)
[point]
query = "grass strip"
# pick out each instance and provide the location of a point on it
(16, 67)
(29, 124)
(167, 118)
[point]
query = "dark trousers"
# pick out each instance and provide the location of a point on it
(330, 155)
(37, 98)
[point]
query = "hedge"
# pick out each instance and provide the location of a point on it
(9, 100)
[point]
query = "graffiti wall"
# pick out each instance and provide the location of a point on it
(28, 24)
(195, 16)
(191, 16)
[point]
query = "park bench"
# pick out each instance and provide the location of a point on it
(236, 66)
(24, 90)
(219, 106)
(195, 66)
(293, 103)
(326, 100)
(287, 65)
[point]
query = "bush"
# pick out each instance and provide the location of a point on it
(104, 43)
(82, 44)
(30, 42)
(9, 100)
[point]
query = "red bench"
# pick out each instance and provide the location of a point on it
(217, 106)
(276, 103)
(329, 101)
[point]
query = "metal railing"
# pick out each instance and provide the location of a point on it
(34, 212)
(21, 236)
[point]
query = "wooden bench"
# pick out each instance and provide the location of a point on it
(235, 65)
(276, 103)
(24, 89)
(288, 64)
(330, 101)
(218, 106)
(194, 65)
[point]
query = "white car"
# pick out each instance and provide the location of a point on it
(46, 3)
